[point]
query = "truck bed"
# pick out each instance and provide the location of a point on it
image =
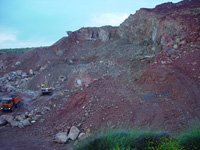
(16, 99)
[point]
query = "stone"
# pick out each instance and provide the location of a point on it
(61, 137)
(23, 116)
(175, 46)
(9, 88)
(26, 114)
(26, 122)
(73, 133)
(67, 129)
(69, 32)
(60, 52)
(19, 118)
(45, 108)
(33, 121)
(103, 35)
(82, 136)
(62, 78)
(31, 72)
(24, 75)
(78, 81)
(42, 120)
(17, 63)
(14, 123)
(2, 121)
(19, 72)
(36, 117)
(7, 118)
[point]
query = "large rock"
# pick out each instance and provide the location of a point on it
(83, 136)
(31, 72)
(19, 72)
(26, 122)
(73, 133)
(17, 63)
(45, 108)
(61, 137)
(14, 123)
(2, 121)
(103, 35)
(7, 118)
(19, 118)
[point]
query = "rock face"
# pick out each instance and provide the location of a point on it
(103, 34)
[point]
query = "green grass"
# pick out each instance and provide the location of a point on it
(15, 50)
(141, 140)
(190, 139)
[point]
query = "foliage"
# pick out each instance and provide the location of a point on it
(191, 139)
(141, 140)
(15, 50)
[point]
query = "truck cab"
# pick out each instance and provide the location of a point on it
(10, 103)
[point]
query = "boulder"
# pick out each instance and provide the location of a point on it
(45, 108)
(23, 116)
(7, 118)
(69, 32)
(14, 123)
(19, 72)
(73, 133)
(62, 78)
(2, 121)
(26, 122)
(82, 136)
(17, 63)
(36, 117)
(19, 118)
(103, 35)
(31, 72)
(9, 88)
(33, 121)
(26, 114)
(61, 137)
(24, 75)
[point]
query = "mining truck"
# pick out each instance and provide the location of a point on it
(10, 103)
(45, 89)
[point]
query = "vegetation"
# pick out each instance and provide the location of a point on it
(15, 50)
(142, 140)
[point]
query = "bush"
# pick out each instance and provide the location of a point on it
(124, 140)
(191, 139)
(141, 140)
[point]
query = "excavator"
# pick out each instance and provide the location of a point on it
(45, 89)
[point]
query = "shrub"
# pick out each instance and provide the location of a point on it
(124, 140)
(141, 140)
(191, 139)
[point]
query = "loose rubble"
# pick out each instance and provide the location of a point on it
(24, 119)
(74, 135)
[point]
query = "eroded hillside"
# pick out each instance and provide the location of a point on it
(145, 72)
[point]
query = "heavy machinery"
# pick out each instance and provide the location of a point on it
(9, 103)
(45, 89)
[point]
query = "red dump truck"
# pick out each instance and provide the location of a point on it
(11, 102)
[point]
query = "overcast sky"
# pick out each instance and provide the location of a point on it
(33, 23)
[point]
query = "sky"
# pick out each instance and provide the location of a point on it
(35, 23)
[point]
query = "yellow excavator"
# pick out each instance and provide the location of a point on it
(45, 89)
